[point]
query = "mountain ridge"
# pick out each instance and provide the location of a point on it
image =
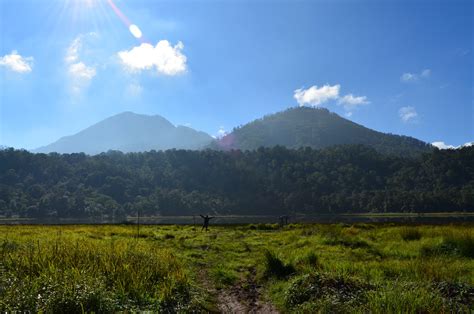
(129, 132)
(317, 128)
(293, 128)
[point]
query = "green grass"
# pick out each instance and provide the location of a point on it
(300, 268)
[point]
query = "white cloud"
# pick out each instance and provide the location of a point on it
(80, 74)
(413, 77)
(221, 132)
(425, 73)
(166, 59)
(443, 145)
(407, 114)
(409, 77)
(16, 62)
(72, 53)
(350, 102)
(315, 96)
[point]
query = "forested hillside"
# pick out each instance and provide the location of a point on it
(317, 128)
(266, 181)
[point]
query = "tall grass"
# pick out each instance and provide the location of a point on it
(50, 274)
(304, 268)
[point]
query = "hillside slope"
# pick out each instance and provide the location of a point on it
(316, 128)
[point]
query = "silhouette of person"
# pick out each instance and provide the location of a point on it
(205, 225)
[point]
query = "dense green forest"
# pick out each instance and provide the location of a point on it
(274, 180)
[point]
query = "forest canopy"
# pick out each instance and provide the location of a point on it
(342, 179)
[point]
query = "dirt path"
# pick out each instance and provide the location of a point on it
(245, 297)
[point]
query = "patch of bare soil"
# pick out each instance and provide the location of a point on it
(245, 297)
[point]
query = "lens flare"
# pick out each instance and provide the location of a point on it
(136, 32)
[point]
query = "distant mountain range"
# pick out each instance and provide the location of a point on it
(316, 128)
(292, 128)
(130, 132)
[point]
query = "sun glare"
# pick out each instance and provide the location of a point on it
(89, 3)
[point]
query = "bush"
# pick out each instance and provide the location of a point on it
(274, 267)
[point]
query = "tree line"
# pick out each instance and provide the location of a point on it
(342, 179)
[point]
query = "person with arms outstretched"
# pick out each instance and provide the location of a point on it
(205, 225)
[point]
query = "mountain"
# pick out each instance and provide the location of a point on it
(130, 132)
(317, 128)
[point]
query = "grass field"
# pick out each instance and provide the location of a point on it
(300, 268)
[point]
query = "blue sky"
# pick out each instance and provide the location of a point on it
(404, 67)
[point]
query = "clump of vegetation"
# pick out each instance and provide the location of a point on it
(263, 226)
(404, 297)
(456, 293)
(223, 276)
(274, 266)
(312, 259)
(309, 260)
(410, 234)
(452, 244)
(317, 287)
(344, 240)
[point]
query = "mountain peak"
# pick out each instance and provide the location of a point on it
(298, 127)
(129, 132)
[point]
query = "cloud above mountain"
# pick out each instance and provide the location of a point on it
(163, 57)
(315, 96)
(407, 114)
(79, 73)
(443, 145)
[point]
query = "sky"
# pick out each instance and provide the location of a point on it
(402, 67)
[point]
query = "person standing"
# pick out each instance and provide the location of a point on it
(205, 224)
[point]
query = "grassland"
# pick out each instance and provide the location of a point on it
(300, 268)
